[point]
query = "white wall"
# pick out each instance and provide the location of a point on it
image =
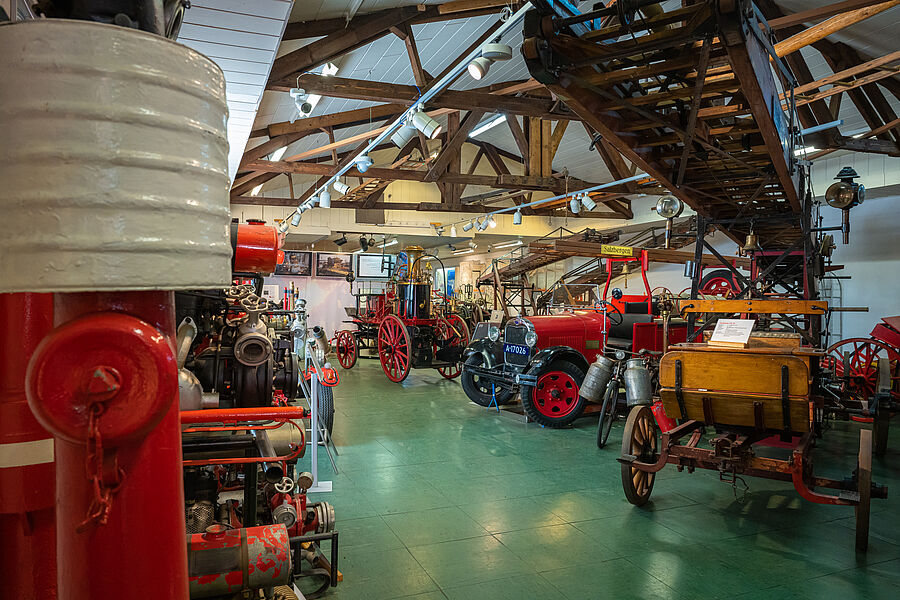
(325, 299)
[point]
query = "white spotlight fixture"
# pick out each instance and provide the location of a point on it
(340, 187)
(363, 163)
(490, 53)
(588, 203)
(295, 220)
(313, 200)
(404, 135)
(484, 224)
(453, 231)
(468, 226)
(492, 223)
(575, 205)
(325, 199)
(517, 217)
(428, 126)
(301, 103)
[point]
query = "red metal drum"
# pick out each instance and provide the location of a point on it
(27, 478)
(255, 247)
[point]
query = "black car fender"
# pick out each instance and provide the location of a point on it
(548, 355)
(491, 351)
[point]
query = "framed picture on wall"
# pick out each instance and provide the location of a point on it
(375, 266)
(333, 264)
(296, 263)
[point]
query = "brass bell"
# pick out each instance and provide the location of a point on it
(751, 244)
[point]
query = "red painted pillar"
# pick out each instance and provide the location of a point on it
(28, 551)
(112, 355)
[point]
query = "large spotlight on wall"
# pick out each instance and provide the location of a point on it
(588, 203)
(491, 53)
(340, 187)
(363, 163)
(403, 136)
(428, 126)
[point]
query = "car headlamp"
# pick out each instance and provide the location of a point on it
(494, 333)
(620, 355)
(531, 339)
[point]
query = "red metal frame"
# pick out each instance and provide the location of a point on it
(644, 262)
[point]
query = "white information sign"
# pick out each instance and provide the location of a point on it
(732, 332)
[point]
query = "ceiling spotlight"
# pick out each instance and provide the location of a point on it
(517, 217)
(313, 200)
(492, 223)
(340, 188)
(453, 231)
(472, 244)
(303, 107)
(404, 135)
(669, 207)
(325, 198)
(363, 243)
(491, 53)
(363, 163)
(341, 240)
(295, 220)
(588, 203)
(483, 225)
(284, 225)
(575, 205)
(428, 126)
(468, 226)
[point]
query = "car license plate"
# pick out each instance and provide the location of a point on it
(515, 349)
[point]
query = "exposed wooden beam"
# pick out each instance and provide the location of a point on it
(518, 134)
(691, 127)
(866, 135)
(818, 13)
(413, 52)
(358, 89)
(348, 118)
(829, 26)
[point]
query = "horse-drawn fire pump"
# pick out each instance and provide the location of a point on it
(403, 326)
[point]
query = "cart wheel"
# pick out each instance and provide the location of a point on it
(863, 356)
(639, 439)
(456, 332)
(347, 349)
(864, 484)
(607, 413)
(394, 348)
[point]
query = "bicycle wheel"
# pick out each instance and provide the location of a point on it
(607, 413)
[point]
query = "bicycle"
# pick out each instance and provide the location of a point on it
(638, 388)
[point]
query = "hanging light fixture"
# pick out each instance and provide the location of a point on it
(295, 220)
(588, 203)
(491, 222)
(363, 243)
(404, 135)
(428, 126)
(517, 217)
(325, 198)
(484, 224)
(363, 163)
(453, 231)
(468, 226)
(575, 205)
(340, 187)
(490, 54)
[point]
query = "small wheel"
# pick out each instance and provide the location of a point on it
(479, 390)
(325, 409)
(718, 283)
(639, 439)
(862, 363)
(394, 348)
(347, 349)
(455, 333)
(864, 484)
(554, 400)
(607, 413)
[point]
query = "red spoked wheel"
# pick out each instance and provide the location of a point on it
(455, 331)
(718, 283)
(554, 400)
(862, 359)
(394, 348)
(347, 348)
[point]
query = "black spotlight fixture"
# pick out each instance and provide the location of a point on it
(341, 240)
(364, 243)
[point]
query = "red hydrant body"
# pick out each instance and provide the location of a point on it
(90, 360)
(26, 458)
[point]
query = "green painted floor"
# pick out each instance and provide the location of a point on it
(438, 498)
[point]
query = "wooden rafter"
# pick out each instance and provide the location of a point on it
(454, 143)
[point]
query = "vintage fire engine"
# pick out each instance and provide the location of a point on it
(546, 357)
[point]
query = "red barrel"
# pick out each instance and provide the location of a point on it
(256, 248)
(222, 562)
(26, 457)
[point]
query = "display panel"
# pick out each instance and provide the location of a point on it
(296, 263)
(332, 264)
(374, 266)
